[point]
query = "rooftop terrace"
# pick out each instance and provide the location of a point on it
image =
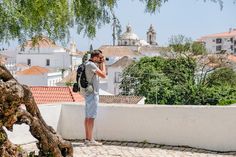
(152, 131)
(133, 149)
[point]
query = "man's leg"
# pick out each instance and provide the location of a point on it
(91, 112)
(90, 128)
(86, 128)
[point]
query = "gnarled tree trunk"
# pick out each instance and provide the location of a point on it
(12, 96)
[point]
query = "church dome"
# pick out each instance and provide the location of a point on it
(129, 35)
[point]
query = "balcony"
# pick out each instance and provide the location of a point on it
(165, 128)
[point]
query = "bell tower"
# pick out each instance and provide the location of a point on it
(151, 36)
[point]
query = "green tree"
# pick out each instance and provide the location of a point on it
(176, 79)
(181, 44)
(222, 77)
(21, 19)
(159, 79)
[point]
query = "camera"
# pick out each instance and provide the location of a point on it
(87, 56)
(102, 59)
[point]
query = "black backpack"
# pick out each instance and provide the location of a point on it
(81, 80)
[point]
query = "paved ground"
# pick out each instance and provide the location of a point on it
(130, 149)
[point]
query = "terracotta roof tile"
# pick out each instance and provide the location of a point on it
(111, 51)
(34, 70)
(44, 42)
(2, 59)
(47, 94)
(232, 58)
(220, 35)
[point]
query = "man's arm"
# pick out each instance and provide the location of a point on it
(102, 70)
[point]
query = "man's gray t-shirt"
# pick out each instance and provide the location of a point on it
(92, 78)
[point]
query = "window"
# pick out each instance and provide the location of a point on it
(125, 42)
(235, 50)
(231, 40)
(48, 62)
(218, 40)
(218, 48)
(213, 40)
(28, 61)
(117, 77)
(231, 47)
(234, 42)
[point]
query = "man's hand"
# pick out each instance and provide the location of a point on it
(102, 59)
(102, 70)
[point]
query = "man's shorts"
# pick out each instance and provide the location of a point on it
(91, 105)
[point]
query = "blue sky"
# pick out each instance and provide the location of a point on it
(191, 18)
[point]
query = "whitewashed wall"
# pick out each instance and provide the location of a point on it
(226, 43)
(112, 86)
(46, 79)
(58, 58)
(53, 78)
(208, 127)
(33, 80)
(21, 134)
(205, 127)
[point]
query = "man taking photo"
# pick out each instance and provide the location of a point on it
(94, 68)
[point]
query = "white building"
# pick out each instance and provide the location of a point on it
(39, 76)
(129, 38)
(76, 56)
(114, 76)
(8, 58)
(220, 42)
(45, 54)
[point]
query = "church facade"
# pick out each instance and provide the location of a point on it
(129, 38)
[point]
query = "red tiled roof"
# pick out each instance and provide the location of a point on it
(48, 94)
(34, 70)
(220, 35)
(43, 42)
(111, 51)
(232, 58)
(2, 59)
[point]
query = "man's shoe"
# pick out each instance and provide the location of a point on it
(92, 143)
(86, 142)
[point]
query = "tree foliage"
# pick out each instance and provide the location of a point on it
(20, 19)
(188, 77)
(173, 81)
(181, 44)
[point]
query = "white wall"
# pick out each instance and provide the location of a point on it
(33, 80)
(53, 78)
(46, 79)
(225, 45)
(208, 127)
(112, 86)
(195, 126)
(21, 134)
(60, 59)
